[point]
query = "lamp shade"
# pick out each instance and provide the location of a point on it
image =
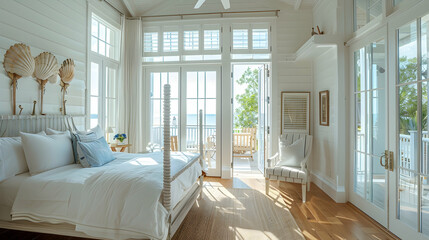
(110, 130)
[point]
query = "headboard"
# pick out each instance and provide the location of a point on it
(11, 125)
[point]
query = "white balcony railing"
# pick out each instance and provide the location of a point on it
(191, 135)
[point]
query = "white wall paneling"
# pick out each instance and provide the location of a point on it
(58, 27)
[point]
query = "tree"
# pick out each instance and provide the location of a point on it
(408, 96)
(246, 116)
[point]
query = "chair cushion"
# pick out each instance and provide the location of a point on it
(288, 174)
(293, 154)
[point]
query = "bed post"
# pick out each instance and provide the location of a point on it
(167, 170)
(201, 153)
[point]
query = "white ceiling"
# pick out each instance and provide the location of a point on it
(156, 7)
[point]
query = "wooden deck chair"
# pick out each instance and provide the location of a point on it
(243, 145)
(253, 132)
(174, 144)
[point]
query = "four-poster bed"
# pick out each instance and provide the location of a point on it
(176, 202)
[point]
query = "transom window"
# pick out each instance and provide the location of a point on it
(240, 38)
(204, 41)
(104, 38)
(365, 11)
(260, 38)
(211, 39)
(171, 41)
(150, 42)
(191, 40)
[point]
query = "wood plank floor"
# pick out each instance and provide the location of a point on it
(319, 218)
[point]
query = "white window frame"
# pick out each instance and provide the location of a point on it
(250, 27)
(103, 62)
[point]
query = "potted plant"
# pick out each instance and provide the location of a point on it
(120, 137)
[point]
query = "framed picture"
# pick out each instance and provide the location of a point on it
(324, 108)
(295, 112)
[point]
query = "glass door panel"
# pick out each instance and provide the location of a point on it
(201, 93)
(369, 183)
(157, 81)
(409, 179)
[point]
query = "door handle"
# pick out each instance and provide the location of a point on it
(385, 156)
(391, 160)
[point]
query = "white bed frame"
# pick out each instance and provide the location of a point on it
(176, 213)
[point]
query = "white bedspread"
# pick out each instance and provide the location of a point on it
(116, 201)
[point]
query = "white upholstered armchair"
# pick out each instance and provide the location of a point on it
(291, 162)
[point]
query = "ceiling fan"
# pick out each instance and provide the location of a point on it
(226, 4)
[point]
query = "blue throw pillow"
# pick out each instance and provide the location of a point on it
(79, 157)
(97, 153)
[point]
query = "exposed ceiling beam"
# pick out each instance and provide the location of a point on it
(128, 6)
(297, 4)
(199, 3)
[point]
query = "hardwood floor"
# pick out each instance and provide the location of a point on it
(319, 218)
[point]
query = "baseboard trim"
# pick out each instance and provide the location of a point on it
(338, 194)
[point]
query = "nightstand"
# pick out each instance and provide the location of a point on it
(115, 146)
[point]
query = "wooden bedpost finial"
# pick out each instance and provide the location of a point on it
(167, 166)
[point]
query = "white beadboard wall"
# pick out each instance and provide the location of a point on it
(58, 27)
(328, 165)
(293, 30)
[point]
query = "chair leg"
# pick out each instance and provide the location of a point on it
(304, 192)
(308, 186)
(267, 186)
(278, 183)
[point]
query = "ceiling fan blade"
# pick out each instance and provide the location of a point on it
(226, 4)
(199, 3)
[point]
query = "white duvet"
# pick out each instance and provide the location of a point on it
(116, 201)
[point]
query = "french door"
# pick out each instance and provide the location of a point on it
(263, 128)
(391, 115)
(192, 89)
(409, 187)
(201, 91)
(369, 180)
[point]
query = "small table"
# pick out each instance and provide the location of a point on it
(114, 146)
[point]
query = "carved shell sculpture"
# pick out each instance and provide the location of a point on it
(66, 75)
(46, 69)
(67, 71)
(46, 66)
(18, 63)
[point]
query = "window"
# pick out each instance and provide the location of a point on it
(105, 39)
(365, 11)
(211, 39)
(260, 38)
(150, 42)
(103, 82)
(171, 41)
(240, 39)
(191, 40)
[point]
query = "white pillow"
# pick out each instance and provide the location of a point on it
(291, 155)
(98, 131)
(12, 158)
(51, 131)
(44, 153)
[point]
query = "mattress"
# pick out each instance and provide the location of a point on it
(8, 190)
(63, 185)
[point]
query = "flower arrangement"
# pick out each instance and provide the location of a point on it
(120, 136)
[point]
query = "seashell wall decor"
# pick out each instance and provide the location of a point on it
(18, 63)
(66, 75)
(46, 70)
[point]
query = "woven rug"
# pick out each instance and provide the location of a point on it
(239, 214)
